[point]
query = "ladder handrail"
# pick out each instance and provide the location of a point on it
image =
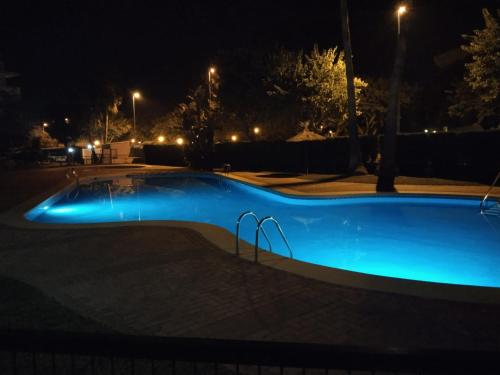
(259, 227)
(240, 218)
(481, 206)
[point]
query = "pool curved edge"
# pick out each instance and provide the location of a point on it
(225, 240)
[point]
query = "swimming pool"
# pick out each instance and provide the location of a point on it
(425, 238)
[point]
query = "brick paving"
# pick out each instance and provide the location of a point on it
(171, 281)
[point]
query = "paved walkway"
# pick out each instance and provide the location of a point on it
(316, 184)
(171, 281)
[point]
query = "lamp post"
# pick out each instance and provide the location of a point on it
(135, 95)
(211, 71)
(401, 11)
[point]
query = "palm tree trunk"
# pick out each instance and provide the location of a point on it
(385, 182)
(354, 149)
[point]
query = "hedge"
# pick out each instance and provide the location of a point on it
(463, 156)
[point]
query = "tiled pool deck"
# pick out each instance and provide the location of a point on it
(170, 281)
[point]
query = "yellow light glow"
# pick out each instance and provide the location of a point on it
(161, 139)
(256, 130)
(212, 70)
(132, 140)
(97, 142)
(45, 125)
(179, 141)
(402, 10)
(234, 138)
(137, 95)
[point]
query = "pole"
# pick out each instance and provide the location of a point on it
(209, 87)
(133, 110)
(106, 129)
(398, 108)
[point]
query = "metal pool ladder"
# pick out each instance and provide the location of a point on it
(240, 218)
(485, 198)
(257, 232)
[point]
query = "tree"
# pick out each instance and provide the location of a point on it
(39, 138)
(480, 93)
(198, 120)
(313, 86)
(354, 148)
(170, 126)
(108, 123)
(374, 101)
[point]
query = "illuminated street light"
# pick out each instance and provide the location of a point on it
(426, 130)
(132, 140)
(66, 120)
(135, 95)
(234, 138)
(256, 130)
(211, 71)
(71, 150)
(179, 141)
(89, 146)
(161, 139)
(45, 125)
(97, 142)
(401, 10)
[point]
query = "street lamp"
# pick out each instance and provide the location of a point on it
(256, 130)
(234, 138)
(211, 71)
(401, 11)
(180, 141)
(135, 95)
(161, 139)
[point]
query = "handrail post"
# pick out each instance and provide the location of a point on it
(488, 192)
(259, 226)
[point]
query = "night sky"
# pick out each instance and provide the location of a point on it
(64, 49)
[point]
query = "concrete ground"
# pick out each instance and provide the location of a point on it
(171, 281)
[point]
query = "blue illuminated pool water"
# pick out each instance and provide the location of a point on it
(423, 238)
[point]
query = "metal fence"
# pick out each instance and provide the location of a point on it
(23, 352)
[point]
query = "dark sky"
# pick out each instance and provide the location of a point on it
(163, 47)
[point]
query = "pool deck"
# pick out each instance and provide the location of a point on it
(172, 281)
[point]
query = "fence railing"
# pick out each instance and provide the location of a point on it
(80, 353)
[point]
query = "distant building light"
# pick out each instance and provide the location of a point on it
(97, 142)
(426, 130)
(71, 150)
(180, 141)
(434, 131)
(66, 120)
(89, 146)
(234, 138)
(132, 140)
(45, 125)
(161, 139)
(256, 130)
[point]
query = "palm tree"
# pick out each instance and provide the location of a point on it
(387, 171)
(354, 149)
